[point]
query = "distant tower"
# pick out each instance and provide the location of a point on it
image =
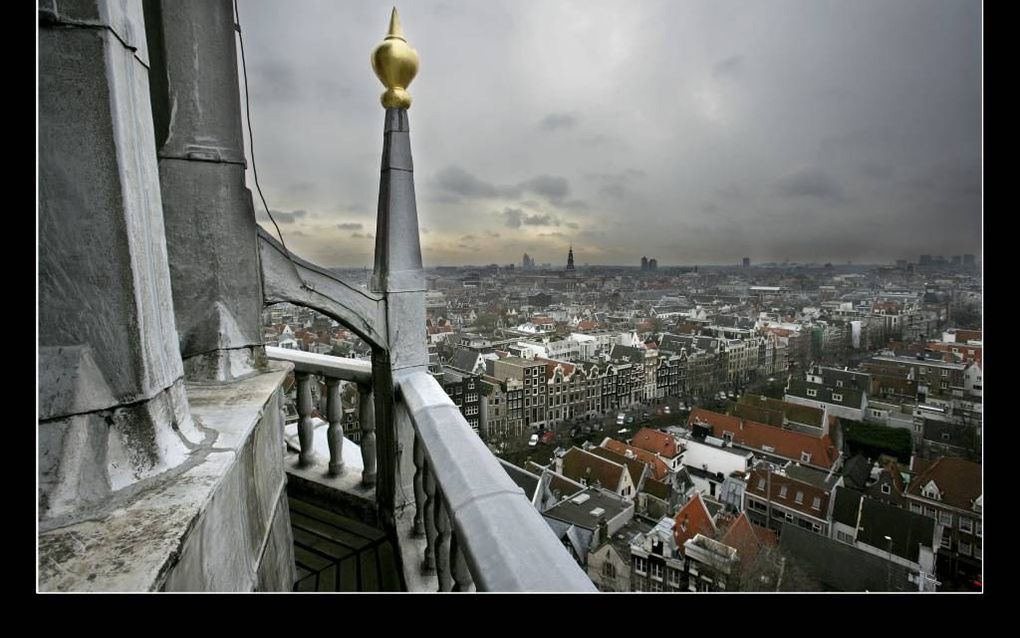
(644, 263)
(526, 262)
(653, 264)
(747, 262)
(570, 259)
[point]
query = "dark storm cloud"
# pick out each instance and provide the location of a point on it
(281, 217)
(350, 226)
(729, 67)
(454, 180)
(515, 217)
(809, 182)
(711, 106)
(548, 186)
(555, 121)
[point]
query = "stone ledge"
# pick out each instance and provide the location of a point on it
(172, 532)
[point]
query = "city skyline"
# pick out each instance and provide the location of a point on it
(698, 132)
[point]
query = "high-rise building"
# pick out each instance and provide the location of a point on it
(527, 263)
(747, 262)
(644, 263)
(653, 264)
(570, 259)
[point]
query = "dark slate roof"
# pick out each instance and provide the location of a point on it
(464, 359)
(908, 531)
(628, 354)
(947, 433)
(657, 489)
(841, 567)
(580, 514)
(856, 472)
(848, 503)
(523, 478)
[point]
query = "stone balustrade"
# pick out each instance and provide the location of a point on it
(479, 530)
(308, 366)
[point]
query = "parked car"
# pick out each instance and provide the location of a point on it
(619, 418)
(666, 409)
(549, 437)
(533, 441)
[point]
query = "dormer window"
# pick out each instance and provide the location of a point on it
(811, 392)
(799, 498)
(886, 489)
(761, 484)
(805, 457)
(816, 503)
(782, 492)
(837, 397)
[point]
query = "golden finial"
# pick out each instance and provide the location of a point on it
(396, 64)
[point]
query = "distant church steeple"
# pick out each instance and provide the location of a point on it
(570, 258)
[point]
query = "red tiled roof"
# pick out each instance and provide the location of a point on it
(759, 481)
(635, 466)
(578, 462)
(748, 540)
(958, 481)
(779, 332)
(550, 370)
(659, 467)
(587, 324)
(692, 519)
(754, 435)
(654, 441)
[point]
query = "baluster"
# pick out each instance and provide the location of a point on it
(461, 574)
(442, 544)
(305, 428)
(419, 490)
(429, 480)
(366, 416)
(335, 433)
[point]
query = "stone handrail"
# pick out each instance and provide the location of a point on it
(334, 370)
(478, 525)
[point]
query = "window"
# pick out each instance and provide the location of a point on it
(978, 531)
(945, 373)
(839, 383)
(946, 518)
(845, 538)
(915, 508)
(966, 524)
(886, 489)
(876, 413)
(805, 457)
(609, 570)
(673, 577)
(782, 492)
(816, 503)
(656, 571)
(965, 548)
(946, 538)
(640, 565)
(837, 397)
(811, 392)
(655, 586)
(761, 484)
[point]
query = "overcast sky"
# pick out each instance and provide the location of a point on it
(695, 132)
